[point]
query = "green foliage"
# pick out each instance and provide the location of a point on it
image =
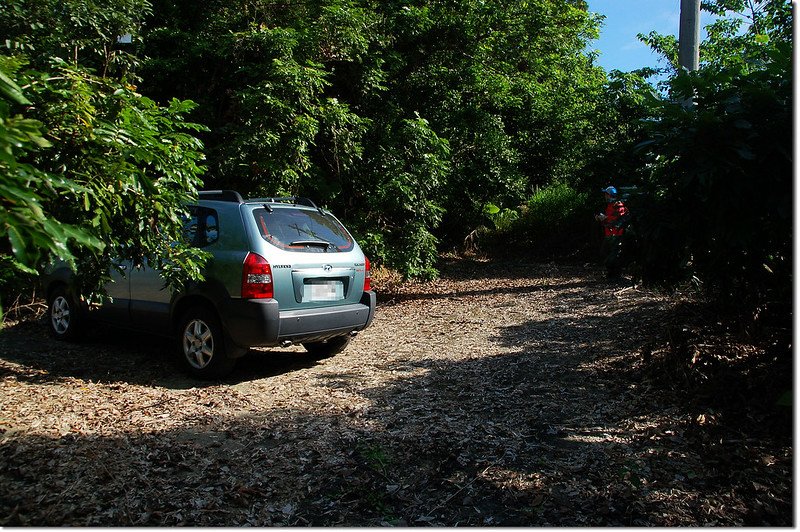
(738, 39)
(26, 230)
(137, 163)
(348, 100)
(502, 219)
(619, 129)
(665, 45)
(508, 85)
(719, 208)
(80, 32)
(375, 457)
(402, 180)
(261, 73)
(92, 171)
(555, 219)
(554, 205)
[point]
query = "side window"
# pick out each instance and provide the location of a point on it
(211, 227)
(201, 228)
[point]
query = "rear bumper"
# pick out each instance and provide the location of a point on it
(259, 322)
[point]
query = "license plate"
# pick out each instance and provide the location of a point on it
(324, 291)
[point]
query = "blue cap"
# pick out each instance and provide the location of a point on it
(610, 190)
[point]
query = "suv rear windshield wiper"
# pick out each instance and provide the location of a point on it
(320, 243)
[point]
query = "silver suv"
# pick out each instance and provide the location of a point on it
(282, 272)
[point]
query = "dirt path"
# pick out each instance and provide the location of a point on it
(497, 399)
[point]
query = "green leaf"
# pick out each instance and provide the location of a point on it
(490, 209)
(11, 90)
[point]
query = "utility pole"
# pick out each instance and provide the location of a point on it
(689, 35)
(689, 40)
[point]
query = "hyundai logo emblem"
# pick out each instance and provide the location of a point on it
(327, 267)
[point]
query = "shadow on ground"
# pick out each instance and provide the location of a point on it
(117, 355)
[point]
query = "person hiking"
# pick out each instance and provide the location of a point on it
(613, 221)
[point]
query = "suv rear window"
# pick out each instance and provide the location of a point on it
(302, 230)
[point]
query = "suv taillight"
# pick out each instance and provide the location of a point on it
(367, 275)
(256, 278)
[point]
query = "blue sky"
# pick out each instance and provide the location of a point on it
(619, 48)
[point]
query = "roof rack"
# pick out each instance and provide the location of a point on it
(221, 195)
(288, 199)
(235, 197)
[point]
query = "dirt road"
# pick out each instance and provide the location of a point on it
(494, 396)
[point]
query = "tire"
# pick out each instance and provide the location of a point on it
(64, 317)
(327, 348)
(201, 344)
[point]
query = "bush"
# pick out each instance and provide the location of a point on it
(556, 219)
(720, 207)
(717, 203)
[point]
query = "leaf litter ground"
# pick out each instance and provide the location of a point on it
(525, 394)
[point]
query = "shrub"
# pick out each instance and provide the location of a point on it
(556, 219)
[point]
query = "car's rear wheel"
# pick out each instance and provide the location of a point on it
(64, 318)
(202, 345)
(327, 348)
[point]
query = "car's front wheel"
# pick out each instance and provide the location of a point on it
(327, 348)
(202, 346)
(64, 318)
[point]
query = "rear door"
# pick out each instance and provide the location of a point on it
(116, 309)
(150, 297)
(315, 261)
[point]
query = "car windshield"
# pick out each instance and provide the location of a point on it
(302, 230)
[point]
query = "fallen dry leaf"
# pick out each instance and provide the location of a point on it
(519, 394)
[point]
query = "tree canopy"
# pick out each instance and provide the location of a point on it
(92, 170)
(407, 118)
(718, 207)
